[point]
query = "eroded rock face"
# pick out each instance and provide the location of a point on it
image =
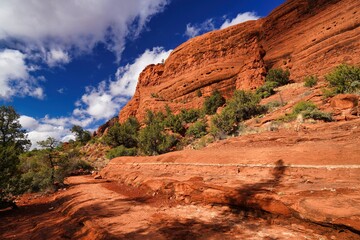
(104, 128)
(307, 37)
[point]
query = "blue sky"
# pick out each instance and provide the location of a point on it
(77, 62)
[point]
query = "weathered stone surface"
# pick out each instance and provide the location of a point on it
(344, 101)
(104, 128)
(307, 37)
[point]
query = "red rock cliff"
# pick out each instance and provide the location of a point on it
(305, 36)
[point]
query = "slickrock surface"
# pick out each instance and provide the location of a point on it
(310, 174)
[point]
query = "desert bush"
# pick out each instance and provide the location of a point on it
(224, 123)
(242, 106)
(245, 105)
(308, 110)
(304, 106)
(190, 115)
(344, 79)
(278, 76)
(121, 151)
(266, 90)
(124, 134)
(275, 78)
(152, 140)
(175, 123)
(273, 105)
(197, 130)
(213, 102)
(318, 115)
(81, 135)
(310, 81)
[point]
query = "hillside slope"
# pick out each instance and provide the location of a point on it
(307, 37)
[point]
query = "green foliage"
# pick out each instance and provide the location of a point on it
(272, 105)
(175, 123)
(242, 106)
(152, 117)
(82, 135)
(266, 90)
(344, 79)
(190, 115)
(40, 175)
(197, 130)
(152, 140)
(125, 134)
(121, 151)
(198, 93)
(245, 105)
(309, 111)
(310, 81)
(213, 102)
(275, 78)
(328, 93)
(278, 76)
(224, 123)
(304, 106)
(318, 115)
(13, 142)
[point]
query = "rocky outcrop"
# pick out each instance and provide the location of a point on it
(104, 128)
(307, 37)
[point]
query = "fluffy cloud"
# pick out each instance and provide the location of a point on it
(104, 101)
(58, 128)
(77, 24)
(14, 76)
(57, 57)
(241, 17)
(197, 29)
(193, 30)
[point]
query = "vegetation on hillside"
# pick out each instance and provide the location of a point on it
(343, 79)
(275, 78)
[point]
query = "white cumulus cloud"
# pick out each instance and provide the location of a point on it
(193, 30)
(63, 25)
(105, 101)
(14, 76)
(240, 18)
(58, 128)
(57, 57)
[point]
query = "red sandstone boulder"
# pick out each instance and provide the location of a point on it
(344, 101)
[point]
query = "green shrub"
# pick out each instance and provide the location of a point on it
(213, 102)
(197, 130)
(124, 134)
(175, 123)
(275, 78)
(198, 93)
(224, 123)
(310, 81)
(318, 115)
(273, 104)
(278, 76)
(190, 115)
(152, 140)
(121, 151)
(309, 111)
(328, 93)
(344, 79)
(245, 105)
(304, 106)
(242, 106)
(266, 90)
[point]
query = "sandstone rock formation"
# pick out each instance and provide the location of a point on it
(307, 37)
